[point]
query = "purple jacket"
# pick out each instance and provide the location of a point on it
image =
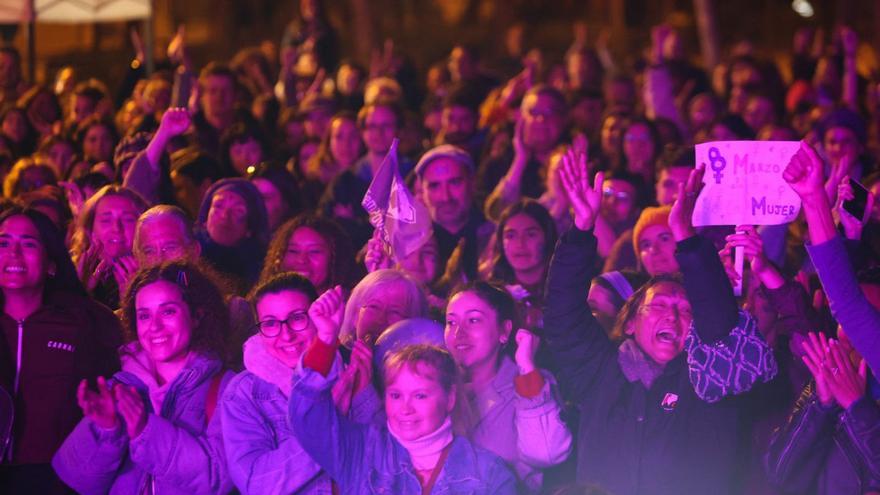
(178, 452)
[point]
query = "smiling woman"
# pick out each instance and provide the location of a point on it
(54, 336)
(156, 417)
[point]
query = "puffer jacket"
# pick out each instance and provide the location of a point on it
(178, 452)
(264, 455)
(70, 338)
(367, 459)
(527, 432)
(827, 450)
(683, 433)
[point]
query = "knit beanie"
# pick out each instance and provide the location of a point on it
(652, 215)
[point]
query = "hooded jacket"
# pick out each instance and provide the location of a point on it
(178, 452)
(43, 358)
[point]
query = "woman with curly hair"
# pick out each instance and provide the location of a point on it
(152, 426)
(314, 247)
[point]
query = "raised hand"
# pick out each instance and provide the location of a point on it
(849, 41)
(520, 151)
(124, 269)
(845, 382)
(131, 408)
(681, 216)
(753, 247)
(815, 346)
(177, 47)
(90, 267)
(362, 364)
(326, 314)
(343, 390)
(805, 174)
(376, 257)
(100, 406)
(175, 122)
(585, 199)
(526, 348)
(852, 226)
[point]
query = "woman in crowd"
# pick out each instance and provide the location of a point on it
(379, 300)
(279, 191)
(648, 383)
(516, 411)
(340, 148)
(416, 451)
(96, 139)
(102, 242)
(243, 150)
(521, 254)
(233, 230)
(314, 247)
(16, 127)
(153, 428)
(54, 336)
(264, 455)
(640, 147)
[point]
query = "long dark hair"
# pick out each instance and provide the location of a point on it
(65, 278)
(211, 330)
(501, 269)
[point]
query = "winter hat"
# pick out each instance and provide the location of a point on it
(652, 215)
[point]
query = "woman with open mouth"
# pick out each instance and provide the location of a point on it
(652, 415)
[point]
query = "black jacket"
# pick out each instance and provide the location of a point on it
(70, 338)
(826, 450)
(628, 442)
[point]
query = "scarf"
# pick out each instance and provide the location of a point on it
(266, 367)
(425, 452)
(636, 366)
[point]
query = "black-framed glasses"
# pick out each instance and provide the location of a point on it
(297, 321)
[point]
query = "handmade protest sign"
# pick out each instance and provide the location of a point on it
(743, 184)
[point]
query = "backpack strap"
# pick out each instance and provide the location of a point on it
(213, 395)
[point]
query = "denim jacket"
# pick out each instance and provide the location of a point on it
(367, 459)
(263, 453)
(178, 452)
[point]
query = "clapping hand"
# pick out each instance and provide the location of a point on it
(326, 313)
(845, 381)
(131, 408)
(585, 199)
(815, 347)
(100, 406)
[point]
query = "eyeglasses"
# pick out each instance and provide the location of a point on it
(664, 309)
(619, 195)
(297, 321)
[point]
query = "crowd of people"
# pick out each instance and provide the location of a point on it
(194, 298)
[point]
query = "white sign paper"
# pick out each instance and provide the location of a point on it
(744, 184)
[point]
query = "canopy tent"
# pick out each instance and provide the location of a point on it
(73, 12)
